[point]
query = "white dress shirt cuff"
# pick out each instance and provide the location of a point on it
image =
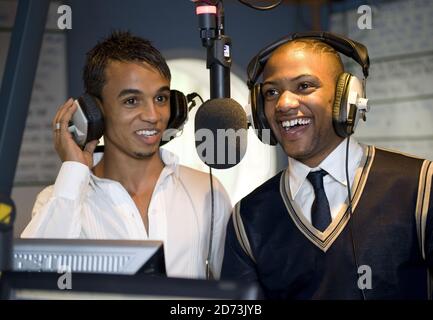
(72, 180)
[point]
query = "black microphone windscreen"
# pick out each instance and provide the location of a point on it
(221, 132)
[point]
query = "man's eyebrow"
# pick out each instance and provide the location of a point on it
(164, 88)
(305, 75)
(125, 92)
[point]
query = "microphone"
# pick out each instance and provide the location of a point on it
(7, 218)
(221, 133)
(220, 123)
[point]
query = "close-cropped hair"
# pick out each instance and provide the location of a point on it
(318, 47)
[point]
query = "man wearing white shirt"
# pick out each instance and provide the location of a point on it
(334, 182)
(298, 235)
(135, 190)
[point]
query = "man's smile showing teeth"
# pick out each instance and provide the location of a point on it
(146, 133)
(294, 129)
(294, 123)
(148, 136)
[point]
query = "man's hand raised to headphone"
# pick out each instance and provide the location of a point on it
(66, 147)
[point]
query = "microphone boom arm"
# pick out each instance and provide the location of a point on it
(219, 63)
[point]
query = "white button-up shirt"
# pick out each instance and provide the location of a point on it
(301, 190)
(81, 205)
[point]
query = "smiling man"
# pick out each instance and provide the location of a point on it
(136, 191)
(296, 235)
(298, 100)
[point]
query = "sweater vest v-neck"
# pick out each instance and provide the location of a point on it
(389, 221)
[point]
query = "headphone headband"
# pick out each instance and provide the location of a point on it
(350, 48)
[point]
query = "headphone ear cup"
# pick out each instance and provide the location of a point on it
(178, 109)
(260, 122)
(178, 115)
(93, 114)
(339, 109)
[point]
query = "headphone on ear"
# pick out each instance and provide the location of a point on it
(350, 103)
(178, 115)
(88, 122)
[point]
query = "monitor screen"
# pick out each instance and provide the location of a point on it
(89, 256)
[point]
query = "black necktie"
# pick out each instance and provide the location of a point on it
(320, 212)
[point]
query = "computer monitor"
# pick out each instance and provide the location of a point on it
(89, 256)
(105, 269)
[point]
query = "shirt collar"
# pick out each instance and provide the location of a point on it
(334, 164)
(170, 160)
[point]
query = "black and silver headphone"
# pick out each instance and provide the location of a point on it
(88, 122)
(350, 103)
